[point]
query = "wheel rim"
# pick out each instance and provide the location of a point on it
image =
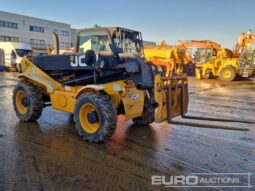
(227, 74)
(89, 118)
(21, 102)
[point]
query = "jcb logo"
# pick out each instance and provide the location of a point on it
(78, 61)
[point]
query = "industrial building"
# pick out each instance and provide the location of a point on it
(145, 43)
(33, 31)
(37, 32)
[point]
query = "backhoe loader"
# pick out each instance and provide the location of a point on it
(213, 61)
(201, 51)
(105, 78)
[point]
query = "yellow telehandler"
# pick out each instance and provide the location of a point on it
(105, 78)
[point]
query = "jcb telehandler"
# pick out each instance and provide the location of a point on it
(105, 78)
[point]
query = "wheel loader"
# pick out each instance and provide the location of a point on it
(106, 77)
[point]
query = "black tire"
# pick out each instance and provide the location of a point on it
(209, 75)
(107, 117)
(229, 70)
(34, 102)
(146, 119)
(71, 118)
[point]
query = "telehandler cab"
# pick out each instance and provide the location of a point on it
(105, 78)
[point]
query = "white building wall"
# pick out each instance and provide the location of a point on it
(25, 35)
(74, 34)
(145, 43)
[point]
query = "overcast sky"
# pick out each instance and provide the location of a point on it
(170, 20)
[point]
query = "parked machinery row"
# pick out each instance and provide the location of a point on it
(210, 60)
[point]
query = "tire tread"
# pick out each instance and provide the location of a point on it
(109, 113)
(36, 102)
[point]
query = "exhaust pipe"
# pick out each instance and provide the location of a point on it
(55, 42)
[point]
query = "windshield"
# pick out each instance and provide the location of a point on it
(247, 55)
(97, 41)
(202, 55)
(130, 42)
(23, 52)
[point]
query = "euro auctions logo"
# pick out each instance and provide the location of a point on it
(169, 181)
(218, 180)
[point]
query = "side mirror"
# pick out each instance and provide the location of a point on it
(14, 56)
(90, 57)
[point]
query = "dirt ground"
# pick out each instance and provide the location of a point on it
(50, 155)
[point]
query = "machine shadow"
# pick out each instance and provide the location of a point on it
(135, 135)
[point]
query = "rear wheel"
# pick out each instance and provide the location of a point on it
(27, 102)
(227, 73)
(95, 117)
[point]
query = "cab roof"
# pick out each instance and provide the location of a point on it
(111, 30)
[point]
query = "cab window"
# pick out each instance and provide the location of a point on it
(128, 41)
(96, 41)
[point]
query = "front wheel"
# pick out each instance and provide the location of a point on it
(95, 117)
(227, 73)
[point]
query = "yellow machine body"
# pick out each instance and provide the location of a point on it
(120, 92)
(228, 58)
(223, 59)
(216, 65)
